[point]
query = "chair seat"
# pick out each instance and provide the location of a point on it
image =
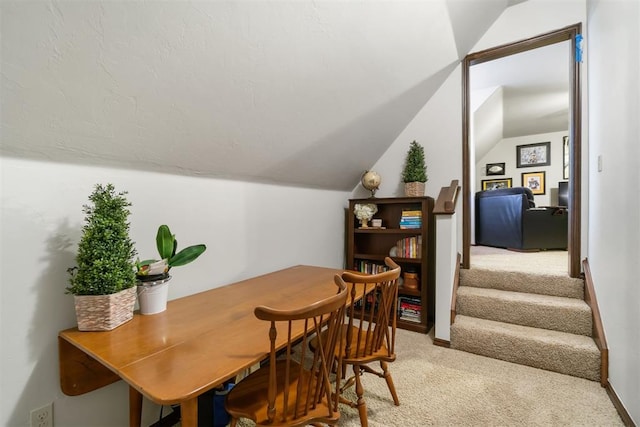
(248, 399)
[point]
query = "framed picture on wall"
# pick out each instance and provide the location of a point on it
(565, 157)
(494, 184)
(531, 155)
(495, 169)
(534, 181)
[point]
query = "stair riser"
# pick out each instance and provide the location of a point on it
(577, 362)
(574, 321)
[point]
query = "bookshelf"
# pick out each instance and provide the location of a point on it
(409, 240)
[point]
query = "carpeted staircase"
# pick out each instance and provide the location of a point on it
(535, 320)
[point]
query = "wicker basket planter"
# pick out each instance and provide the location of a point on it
(104, 312)
(414, 189)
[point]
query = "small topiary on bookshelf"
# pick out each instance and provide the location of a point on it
(105, 257)
(414, 174)
(415, 169)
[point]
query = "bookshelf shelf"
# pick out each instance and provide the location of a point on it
(367, 248)
(381, 258)
(411, 292)
(407, 231)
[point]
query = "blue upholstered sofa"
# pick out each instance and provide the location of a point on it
(508, 218)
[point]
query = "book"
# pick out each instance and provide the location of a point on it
(369, 267)
(411, 310)
(409, 315)
(410, 223)
(409, 247)
(410, 300)
(410, 319)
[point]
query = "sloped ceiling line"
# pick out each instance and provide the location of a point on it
(295, 92)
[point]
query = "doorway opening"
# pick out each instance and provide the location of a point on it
(572, 34)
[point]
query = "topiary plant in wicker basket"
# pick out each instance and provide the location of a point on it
(414, 174)
(105, 272)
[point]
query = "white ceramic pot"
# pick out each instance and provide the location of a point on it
(152, 296)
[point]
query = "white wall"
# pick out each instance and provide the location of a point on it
(487, 119)
(438, 128)
(614, 192)
(505, 152)
(249, 229)
(446, 260)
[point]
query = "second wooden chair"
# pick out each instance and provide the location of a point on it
(370, 332)
(289, 391)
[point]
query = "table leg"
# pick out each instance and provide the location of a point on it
(135, 407)
(189, 412)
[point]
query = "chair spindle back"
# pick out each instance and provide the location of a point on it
(312, 371)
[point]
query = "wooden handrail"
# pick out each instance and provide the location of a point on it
(446, 202)
(598, 330)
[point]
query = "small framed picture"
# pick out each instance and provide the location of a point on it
(495, 169)
(531, 155)
(495, 184)
(534, 181)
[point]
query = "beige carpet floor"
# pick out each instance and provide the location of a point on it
(543, 262)
(443, 387)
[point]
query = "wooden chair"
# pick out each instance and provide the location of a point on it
(370, 333)
(286, 392)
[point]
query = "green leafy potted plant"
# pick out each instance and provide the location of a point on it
(414, 174)
(103, 280)
(153, 275)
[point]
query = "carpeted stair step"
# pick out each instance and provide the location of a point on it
(543, 284)
(539, 311)
(561, 352)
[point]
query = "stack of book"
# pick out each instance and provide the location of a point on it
(409, 247)
(411, 219)
(409, 309)
(369, 267)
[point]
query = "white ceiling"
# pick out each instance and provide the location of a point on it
(534, 94)
(304, 92)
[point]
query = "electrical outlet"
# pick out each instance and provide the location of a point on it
(42, 417)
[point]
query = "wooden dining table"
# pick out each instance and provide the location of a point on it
(197, 344)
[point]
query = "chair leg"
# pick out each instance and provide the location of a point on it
(389, 379)
(361, 405)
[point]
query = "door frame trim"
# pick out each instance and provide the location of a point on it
(575, 136)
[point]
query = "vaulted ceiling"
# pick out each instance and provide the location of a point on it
(529, 91)
(305, 92)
